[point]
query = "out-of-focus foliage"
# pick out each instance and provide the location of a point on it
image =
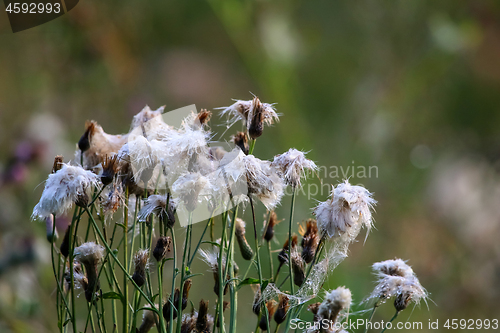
(411, 87)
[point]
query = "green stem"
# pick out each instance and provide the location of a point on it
(252, 146)
(125, 272)
(290, 242)
(174, 274)
(222, 277)
(270, 260)
(183, 270)
(199, 242)
(259, 269)
(230, 266)
(390, 321)
(125, 262)
(371, 317)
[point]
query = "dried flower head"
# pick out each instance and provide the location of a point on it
(204, 322)
(256, 300)
(292, 166)
(246, 250)
(203, 117)
(212, 259)
(58, 162)
(149, 319)
(396, 279)
(298, 267)
(310, 241)
(283, 254)
(190, 188)
(109, 169)
(157, 204)
(90, 255)
(64, 247)
(141, 260)
(271, 308)
(281, 312)
(273, 220)
(95, 144)
(68, 185)
(347, 210)
(253, 113)
(240, 139)
(335, 301)
(113, 199)
(162, 248)
(170, 307)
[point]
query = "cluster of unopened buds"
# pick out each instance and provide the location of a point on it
(156, 175)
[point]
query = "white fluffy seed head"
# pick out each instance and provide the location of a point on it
(89, 254)
(334, 302)
(156, 204)
(190, 189)
(242, 110)
(346, 211)
(394, 267)
(212, 258)
(141, 259)
(64, 188)
(396, 279)
(292, 166)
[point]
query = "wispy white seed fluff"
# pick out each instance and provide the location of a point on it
(396, 279)
(345, 212)
(156, 204)
(211, 258)
(242, 110)
(292, 166)
(394, 267)
(62, 189)
(261, 177)
(190, 189)
(89, 253)
(334, 302)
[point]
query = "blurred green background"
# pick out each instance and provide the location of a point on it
(411, 87)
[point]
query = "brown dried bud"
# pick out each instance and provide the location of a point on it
(202, 320)
(310, 241)
(203, 117)
(282, 310)
(314, 310)
(246, 250)
(185, 293)
(402, 300)
(82, 200)
(241, 140)
(273, 220)
(109, 169)
(283, 255)
(298, 266)
(84, 142)
(256, 302)
(162, 248)
(141, 262)
(256, 119)
(58, 161)
(271, 308)
(171, 304)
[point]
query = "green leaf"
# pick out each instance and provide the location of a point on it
(111, 295)
(66, 322)
(249, 281)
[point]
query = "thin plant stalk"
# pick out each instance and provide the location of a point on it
(259, 269)
(125, 262)
(174, 274)
(390, 321)
(371, 317)
(183, 270)
(290, 241)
